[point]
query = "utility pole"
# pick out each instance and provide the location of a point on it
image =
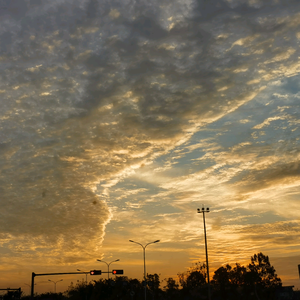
(203, 211)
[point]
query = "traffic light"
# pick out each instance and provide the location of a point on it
(95, 272)
(115, 272)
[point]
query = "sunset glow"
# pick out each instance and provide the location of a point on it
(120, 118)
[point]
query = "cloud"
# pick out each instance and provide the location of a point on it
(146, 109)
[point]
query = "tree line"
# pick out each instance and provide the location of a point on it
(257, 280)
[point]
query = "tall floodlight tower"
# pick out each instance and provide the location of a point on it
(204, 210)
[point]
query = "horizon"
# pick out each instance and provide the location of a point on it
(44, 282)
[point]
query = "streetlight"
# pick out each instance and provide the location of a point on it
(86, 274)
(55, 282)
(108, 264)
(203, 211)
(144, 251)
(28, 286)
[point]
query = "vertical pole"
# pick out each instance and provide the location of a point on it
(144, 248)
(144, 253)
(32, 285)
(208, 283)
(108, 271)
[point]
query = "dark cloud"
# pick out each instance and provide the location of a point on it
(147, 28)
(270, 176)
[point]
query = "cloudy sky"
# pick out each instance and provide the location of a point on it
(119, 118)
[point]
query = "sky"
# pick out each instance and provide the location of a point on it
(119, 118)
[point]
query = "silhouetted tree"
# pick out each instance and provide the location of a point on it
(265, 273)
(79, 291)
(171, 288)
(194, 280)
(222, 282)
(237, 275)
(257, 281)
(51, 296)
(153, 284)
(12, 295)
(262, 276)
(153, 281)
(118, 288)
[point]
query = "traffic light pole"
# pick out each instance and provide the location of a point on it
(33, 275)
(115, 272)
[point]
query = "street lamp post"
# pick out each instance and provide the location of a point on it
(108, 264)
(144, 252)
(86, 274)
(203, 211)
(55, 282)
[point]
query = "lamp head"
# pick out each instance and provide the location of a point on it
(156, 241)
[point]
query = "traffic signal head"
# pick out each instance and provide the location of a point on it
(95, 272)
(115, 272)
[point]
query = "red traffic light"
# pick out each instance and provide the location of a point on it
(95, 272)
(115, 272)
